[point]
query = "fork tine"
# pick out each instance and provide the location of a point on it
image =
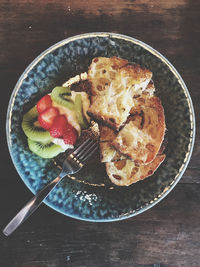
(84, 148)
(88, 153)
(76, 151)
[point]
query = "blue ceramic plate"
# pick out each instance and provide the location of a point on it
(90, 196)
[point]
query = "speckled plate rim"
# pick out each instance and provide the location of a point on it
(182, 169)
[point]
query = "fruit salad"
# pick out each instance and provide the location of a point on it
(55, 123)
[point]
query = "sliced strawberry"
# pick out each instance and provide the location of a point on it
(44, 103)
(46, 118)
(58, 126)
(70, 135)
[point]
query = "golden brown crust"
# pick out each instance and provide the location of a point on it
(81, 86)
(106, 134)
(137, 73)
(126, 172)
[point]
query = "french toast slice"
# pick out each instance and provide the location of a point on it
(123, 171)
(114, 85)
(126, 172)
(141, 137)
(107, 152)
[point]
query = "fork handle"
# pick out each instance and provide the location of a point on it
(30, 207)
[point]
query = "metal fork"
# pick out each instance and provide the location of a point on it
(72, 164)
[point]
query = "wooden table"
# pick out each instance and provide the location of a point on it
(166, 235)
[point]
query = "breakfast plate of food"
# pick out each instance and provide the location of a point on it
(122, 93)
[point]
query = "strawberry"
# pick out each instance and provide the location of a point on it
(46, 118)
(70, 135)
(58, 126)
(44, 103)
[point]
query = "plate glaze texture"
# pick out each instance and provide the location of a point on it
(90, 195)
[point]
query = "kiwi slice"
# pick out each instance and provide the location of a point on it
(32, 129)
(62, 96)
(44, 150)
(79, 112)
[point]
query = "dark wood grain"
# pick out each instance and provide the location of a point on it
(166, 235)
